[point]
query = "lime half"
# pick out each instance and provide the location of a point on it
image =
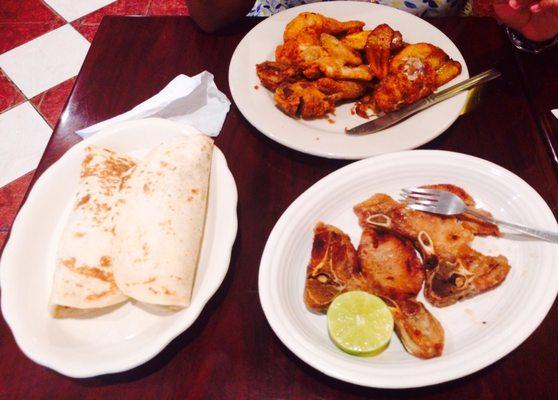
(359, 323)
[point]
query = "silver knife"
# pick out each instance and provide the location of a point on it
(394, 117)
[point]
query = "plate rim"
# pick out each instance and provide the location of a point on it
(333, 153)
(181, 325)
(285, 336)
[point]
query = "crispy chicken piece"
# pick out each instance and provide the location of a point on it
(320, 24)
(391, 269)
(342, 61)
(333, 267)
(454, 270)
(334, 68)
(380, 46)
(340, 90)
(303, 98)
(339, 50)
(315, 99)
(357, 40)
(302, 51)
(273, 74)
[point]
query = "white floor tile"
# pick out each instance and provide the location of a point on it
(71, 10)
(45, 61)
(24, 135)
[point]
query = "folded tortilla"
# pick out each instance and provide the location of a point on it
(161, 225)
(83, 279)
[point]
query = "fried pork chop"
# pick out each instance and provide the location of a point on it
(385, 265)
(454, 271)
(333, 267)
(392, 270)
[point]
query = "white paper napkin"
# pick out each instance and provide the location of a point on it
(555, 112)
(192, 101)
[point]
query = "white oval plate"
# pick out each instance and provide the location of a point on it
(320, 137)
(130, 335)
(479, 331)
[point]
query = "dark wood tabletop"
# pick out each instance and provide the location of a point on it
(231, 352)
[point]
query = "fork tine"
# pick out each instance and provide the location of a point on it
(418, 197)
(421, 202)
(422, 192)
(417, 207)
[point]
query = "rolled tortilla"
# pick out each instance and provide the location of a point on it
(161, 226)
(83, 279)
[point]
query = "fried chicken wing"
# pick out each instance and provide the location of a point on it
(380, 46)
(333, 267)
(304, 99)
(302, 51)
(340, 90)
(357, 40)
(320, 24)
(333, 68)
(339, 50)
(273, 74)
(454, 271)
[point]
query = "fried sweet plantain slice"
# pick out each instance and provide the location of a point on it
(381, 43)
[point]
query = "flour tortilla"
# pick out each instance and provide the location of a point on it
(83, 279)
(160, 227)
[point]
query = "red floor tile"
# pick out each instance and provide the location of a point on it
(9, 94)
(168, 7)
(3, 237)
(11, 197)
(87, 30)
(51, 102)
(23, 20)
(88, 24)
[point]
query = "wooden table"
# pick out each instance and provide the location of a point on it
(231, 352)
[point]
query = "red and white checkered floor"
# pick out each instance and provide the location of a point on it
(42, 46)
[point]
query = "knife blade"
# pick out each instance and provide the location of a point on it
(396, 116)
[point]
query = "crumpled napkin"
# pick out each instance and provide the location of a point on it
(192, 101)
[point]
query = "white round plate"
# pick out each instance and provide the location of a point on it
(478, 331)
(320, 137)
(130, 335)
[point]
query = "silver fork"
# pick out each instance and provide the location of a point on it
(446, 203)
